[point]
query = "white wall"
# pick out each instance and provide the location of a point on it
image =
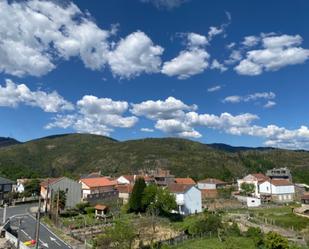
(253, 202)
(266, 188)
(249, 181)
(193, 201)
(122, 180)
(283, 189)
(201, 185)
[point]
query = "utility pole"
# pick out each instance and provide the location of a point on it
(18, 232)
(37, 232)
(46, 198)
(4, 214)
(57, 208)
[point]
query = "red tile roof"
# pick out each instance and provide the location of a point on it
(260, 177)
(281, 182)
(212, 181)
(98, 182)
(187, 181)
(100, 207)
(178, 188)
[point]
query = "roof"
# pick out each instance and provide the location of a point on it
(5, 181)
(178, 188)
(187, 181)
(212, 181)
(305, 196)
(130, 178)
(260, 177)
(49, 181)
(100, 207)
(281, 182)
(98, 182)
(125, 188)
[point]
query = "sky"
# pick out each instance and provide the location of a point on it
(232, 72)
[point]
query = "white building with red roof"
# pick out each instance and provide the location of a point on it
(254, 179)
(278, 190)
(96, 185)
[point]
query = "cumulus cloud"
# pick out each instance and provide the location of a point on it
(95, 115)
(217, 65)
(277, 51)
(13, 95)
(187, 64)
(34, 34)
(250, 41)
(161, 109)
(196, 40)
(134, 55)
(168, 4)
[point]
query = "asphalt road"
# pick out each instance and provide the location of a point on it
(28, 225)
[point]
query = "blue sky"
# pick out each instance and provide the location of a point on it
(228, 71)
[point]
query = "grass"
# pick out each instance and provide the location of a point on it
(282, 217)
(213, 243)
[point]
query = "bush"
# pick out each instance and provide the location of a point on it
(69, 213)
(90, 210)
(81, 207)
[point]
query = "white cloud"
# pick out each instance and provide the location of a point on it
(277, 51)
(250, 41)
(134, 55)
(12, 95)
(234, 57)
(196, 40)
(214, 88)
(187, 64)
(168, 4)
(147, 130)
(270, 104)
(177, 128)
(217, 65)
(250, 97)
(166, 109)
(34, 34)
(96, 115)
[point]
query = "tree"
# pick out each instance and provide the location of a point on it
(247, 188)
(135, 201)
(121, 235)
(59, 200)
(32, 187)
(158, 200)
(275, 241)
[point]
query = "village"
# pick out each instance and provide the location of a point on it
(80, 210)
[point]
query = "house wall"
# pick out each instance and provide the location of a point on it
(253, 202)
(265, 188)
(206, 185)
(283, 189)
(251, 180)
(122, 180)
(72, 188)
(192, 201)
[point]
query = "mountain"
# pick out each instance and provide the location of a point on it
(75, 154)
(7, 141)
(230, 148)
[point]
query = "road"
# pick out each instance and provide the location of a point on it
(28, 225)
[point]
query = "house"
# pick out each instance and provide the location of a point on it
(100, 211)
(96, 185)
(279, 173)
(188, 198)
(126, 179)
(125, 192)
(279, 190)
(185, 181)
(160, 177)
(211, 183)
(51, 186)
(254, 179)
(6, 187)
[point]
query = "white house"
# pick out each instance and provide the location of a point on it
(278, 190)
(126, 179)
(211, 183)
(188, 198)
(254, 179)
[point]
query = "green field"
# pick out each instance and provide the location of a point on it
(230, 243)
(282, 217)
